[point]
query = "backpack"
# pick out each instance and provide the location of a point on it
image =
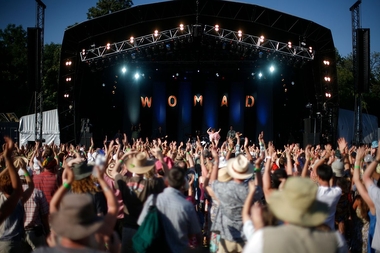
(150, 236)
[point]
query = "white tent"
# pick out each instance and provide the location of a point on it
(50, 128)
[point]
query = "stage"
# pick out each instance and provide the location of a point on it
(240, 65)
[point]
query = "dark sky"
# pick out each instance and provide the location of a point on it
(333, 14)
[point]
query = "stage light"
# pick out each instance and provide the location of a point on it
(155, 33)
(271, 69)
(310, 49)
(289, 44)
(181, 27)
(137, 76)
(108, 46)
(68, 79)
(217, 74)
(66, 95)
(328, 94)
(216, 27)
(327, 79)
(325, 62)
(123, 70)
(260, 75)
(104, 85)
(83, 51)
(262, 39)
(68, 63)
(131, 39)
(240, 33)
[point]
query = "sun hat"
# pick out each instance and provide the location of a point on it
(297, 203)
(140, 164)
(240, 167)
(223, 175)
(109, 169)
(82, 170)
(338, 168)
(76, 219)
(368, 158)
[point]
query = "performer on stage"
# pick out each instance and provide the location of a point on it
(214, 136)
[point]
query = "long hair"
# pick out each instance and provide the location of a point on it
(85, 185)
(363, 208)
(6, 183)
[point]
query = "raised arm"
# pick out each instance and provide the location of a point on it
(367, 177)
(246, 212)
(9, 205)
(308, 158)
(267, 187)
(214, 171)
(28, 192)
(289, 165)
(356, 179)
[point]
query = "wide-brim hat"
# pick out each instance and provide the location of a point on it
(109, 169)
(223, 175)
(76, 219)
(140, 164)
(297, 203)
(82, 170)
(240, 167)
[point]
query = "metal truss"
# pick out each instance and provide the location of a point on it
(250, 41)
(135, 43)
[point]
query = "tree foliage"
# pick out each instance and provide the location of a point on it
(16, 95)
(346, 84)
(104, 7)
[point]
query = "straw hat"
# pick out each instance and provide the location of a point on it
(223, 175)
(240, 167)
(140, 164)
(82, 170)
(297, 203)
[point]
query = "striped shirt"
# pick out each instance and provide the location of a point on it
(47, 183)
(35, 208)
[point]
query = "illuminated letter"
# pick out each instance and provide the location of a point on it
(147, 101)
(172, 101)
(224, 101)
(198, 100)
(249, 101)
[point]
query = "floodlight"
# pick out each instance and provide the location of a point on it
(155, 33)
(108, 46)
(123, 70)
(260, 75)
(289, 44)
(216, 28)
(325, 62)
(262, 38)
(271, 69)
(137, 76)
(131, 39)
(239, 33)
(181, 27)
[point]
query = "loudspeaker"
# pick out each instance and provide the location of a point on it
(34, 58)
(362, 60)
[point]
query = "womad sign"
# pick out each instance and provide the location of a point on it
(198, 101)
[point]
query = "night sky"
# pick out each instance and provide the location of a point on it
(333, 14)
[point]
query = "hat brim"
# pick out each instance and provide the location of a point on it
(131, 166)
(63, 227)
(234, 174)
(284, 210)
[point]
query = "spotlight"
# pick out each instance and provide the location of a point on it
(239, 33)
(181, 27)
(83, 51)
(328, 94)
(66, 95)
(155, 33)
(327, 79)
(260, 75)
(131, 39)
(216, 28)
(310, 49)
(68, 79)
(262, 39)
(325, 62)
(137, 76)
(217, 74)
(289, 44)
(123, 70)
(104, 85)
(68, 63)
(271, 69)
(108, 46)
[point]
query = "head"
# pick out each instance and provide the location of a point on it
(5, 183)
(324, 173)
(231, 128)
(176, 178)
(278, 176)
(48, 152)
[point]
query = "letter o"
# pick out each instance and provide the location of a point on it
(172, 101)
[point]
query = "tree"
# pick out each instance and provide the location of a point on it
(15, 96)
(51, 60)
(104, 7)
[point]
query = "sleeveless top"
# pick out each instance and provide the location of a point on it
(12, 228)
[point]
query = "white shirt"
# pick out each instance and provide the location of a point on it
(330, 196)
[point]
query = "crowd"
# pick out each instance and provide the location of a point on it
(160, 196)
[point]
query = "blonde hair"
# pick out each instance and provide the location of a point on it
(85, 185)
(19, 162)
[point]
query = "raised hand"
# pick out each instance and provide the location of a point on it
(342, 144)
